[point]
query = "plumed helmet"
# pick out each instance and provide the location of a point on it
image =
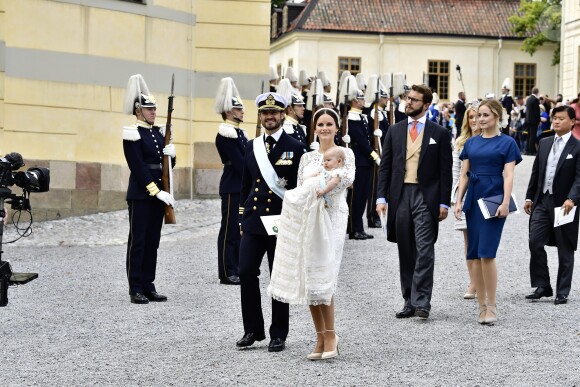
(137, 95)
(273, 73)
(361, 81)
(227, 97)
(349, 88)
(291, 75)
(322, 76)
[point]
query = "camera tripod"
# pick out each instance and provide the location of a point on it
(7, 277)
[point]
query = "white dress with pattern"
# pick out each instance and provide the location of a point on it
(311, 236)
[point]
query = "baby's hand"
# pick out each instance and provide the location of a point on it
(318, 192)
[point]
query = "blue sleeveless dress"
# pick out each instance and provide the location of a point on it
(487, 157)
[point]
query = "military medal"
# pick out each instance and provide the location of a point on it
(281, 182)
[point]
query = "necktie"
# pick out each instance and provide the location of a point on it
(413, 131)
(556, 145)
(270, 142)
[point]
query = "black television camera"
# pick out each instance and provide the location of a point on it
(32, 180)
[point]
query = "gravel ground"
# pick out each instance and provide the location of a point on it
(74, 325)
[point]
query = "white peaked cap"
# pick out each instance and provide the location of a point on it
(303, 79)
(349, 87)
(507, 84)
(387, 81)
(322, 76)
(360, 81)
(285, 89)
(318, 89)
(398, 83)
(226, 93)
(371, 90)
(291, 75)
(135, 87)
(273, 73)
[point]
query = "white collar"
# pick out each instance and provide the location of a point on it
(565, 137)
(276, 135)
(421, 120)
(143, 124)
(291, 120)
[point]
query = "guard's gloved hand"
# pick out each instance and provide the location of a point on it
(346, 139)
(378, 133)
(314, 145)
(166, 198)
(378, 161)
(169, 150)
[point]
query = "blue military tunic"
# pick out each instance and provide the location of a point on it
(143, 147)
(295, 130)
(231, 144)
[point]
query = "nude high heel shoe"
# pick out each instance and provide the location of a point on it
(315, 355)
(482, 313)
(331, 354)
(493, 319)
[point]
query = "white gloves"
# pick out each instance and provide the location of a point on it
(169, 150)
(346, 139)
(378, 133)
(314, 145)
(166, 198)
(377, 160)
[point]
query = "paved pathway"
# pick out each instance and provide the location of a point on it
(74, 325)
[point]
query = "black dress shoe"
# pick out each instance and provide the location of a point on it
(250, 338)
(405, 313)
(539, 293)
(374, 224)
(422, 313)
(276, 345)
(560, 299)
(369, 236)
(139, 298)
(231, 280)
(359, 236)
(155, 297)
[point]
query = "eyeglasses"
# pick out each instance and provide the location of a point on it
(413, 100)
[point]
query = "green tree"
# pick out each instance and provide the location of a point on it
(539, 21)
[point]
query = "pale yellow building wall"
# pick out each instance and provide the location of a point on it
(61, 117)
(570, 49)
(483, 69)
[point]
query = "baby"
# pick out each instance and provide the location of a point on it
(333, 159)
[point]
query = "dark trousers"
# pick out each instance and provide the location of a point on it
(415, 228)
(357, 198)
(372, 215)
(532, 138)
(145, 221)
(252, 249)
(541, 228)
(228, 243)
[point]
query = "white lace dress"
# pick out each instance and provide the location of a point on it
(311, 236)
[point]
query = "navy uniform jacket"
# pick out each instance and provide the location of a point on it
(256, 198)
(295, 130)
(143, 146)
(383, 124)
(358, 130)
(231, 144)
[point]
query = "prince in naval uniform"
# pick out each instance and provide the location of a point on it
(270, 168)
(144, 152)
(231, 143)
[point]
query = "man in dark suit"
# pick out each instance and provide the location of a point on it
(507, 102)
(459, 111)
(415, 179)
(532, 120)
(555, 182)
(270, 168)
(231, 143)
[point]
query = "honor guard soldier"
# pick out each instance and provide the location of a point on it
(293, 78)
(231, 143)
(365, 159)
(373, 220)
(270, 168)
(273, 79)
(144, 152)
(294, 112)
(507, 102)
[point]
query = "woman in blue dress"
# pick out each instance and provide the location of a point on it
(488, 167)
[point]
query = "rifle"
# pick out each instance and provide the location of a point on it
(345, 115)
(312, 128)
(258, 124)
(392, 102)
(376, 119)
(167, 178)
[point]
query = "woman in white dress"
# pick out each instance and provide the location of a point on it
(468, 128)
(311, 239)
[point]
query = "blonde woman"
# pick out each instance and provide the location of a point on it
(488, 167)
(468, 129)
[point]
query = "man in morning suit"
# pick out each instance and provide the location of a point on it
(459, 111)
(555, 182)
(532, 120)
(270, 168)
(231, 143)
(415, 180)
